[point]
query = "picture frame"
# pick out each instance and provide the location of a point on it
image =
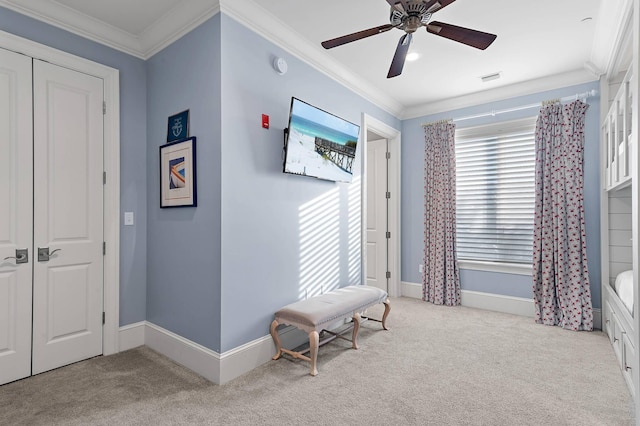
(178, 174)
(178, 126)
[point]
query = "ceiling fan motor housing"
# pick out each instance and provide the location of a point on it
(410, 16)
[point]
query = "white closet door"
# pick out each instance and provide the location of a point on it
(16, 210)
(377, 214)
(68, 216)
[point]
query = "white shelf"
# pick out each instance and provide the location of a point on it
(617, 138)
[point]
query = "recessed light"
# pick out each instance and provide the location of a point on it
(412, 56)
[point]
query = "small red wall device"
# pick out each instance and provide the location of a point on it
(265, 121)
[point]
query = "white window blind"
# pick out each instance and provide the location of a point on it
(495, 190)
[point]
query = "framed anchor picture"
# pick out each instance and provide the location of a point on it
(178, 126)
(178, 174)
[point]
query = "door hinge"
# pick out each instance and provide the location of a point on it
(104, 108)
(388, 195)
(388, 274)
(103, 318)
(104, 248)
(388, 234)
(388, 155)
(104, 178)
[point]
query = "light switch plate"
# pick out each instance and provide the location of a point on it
(128, 218)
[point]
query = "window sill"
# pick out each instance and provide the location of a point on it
(505, 268)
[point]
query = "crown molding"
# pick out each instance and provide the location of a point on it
(77, 23)
(256, 18)
(607, 54)
(501, 93)
(180, 21)
(612, 25)
(173, 25)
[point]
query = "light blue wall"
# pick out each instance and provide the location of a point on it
(272, 252)
(252, 244)
(183, 256)
(133, 136)
(413, 191)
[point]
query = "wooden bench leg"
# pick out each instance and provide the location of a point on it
(387, 309)
(276, 339)
(356, 327)
(314, 340)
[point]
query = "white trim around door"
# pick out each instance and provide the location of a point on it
(393, 137)
(111, 78)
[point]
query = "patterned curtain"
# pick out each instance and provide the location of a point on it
(440, 282)
(560, 275)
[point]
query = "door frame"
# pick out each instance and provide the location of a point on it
(111, 78)
(393, 137)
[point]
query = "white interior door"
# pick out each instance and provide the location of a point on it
(377, 248)
(16, 222)
(68, 216)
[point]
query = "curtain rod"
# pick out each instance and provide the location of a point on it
(493, 113)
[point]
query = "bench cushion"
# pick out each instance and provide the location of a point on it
(318, 312)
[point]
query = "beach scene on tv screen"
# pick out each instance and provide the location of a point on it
(320, 144)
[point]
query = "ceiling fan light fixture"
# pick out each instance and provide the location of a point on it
(490, 77)
(413, 56)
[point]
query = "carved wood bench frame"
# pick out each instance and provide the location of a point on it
(296, 314)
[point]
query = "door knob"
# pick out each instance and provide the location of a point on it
(22, 256)
(44, 254)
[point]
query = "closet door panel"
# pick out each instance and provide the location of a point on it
(68, 216)
(16, 211)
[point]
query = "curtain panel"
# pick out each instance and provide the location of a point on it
(441, 281)
(562, 295)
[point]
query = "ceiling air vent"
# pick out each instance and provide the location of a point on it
(490, 77)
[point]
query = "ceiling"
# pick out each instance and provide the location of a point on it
(541, 44)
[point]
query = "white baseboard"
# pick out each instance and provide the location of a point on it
(493, 302)
(131, 336)
(245, 358)
(222, 368)
(218, 368)
(412, 290)
(498, 303)
(195, 357)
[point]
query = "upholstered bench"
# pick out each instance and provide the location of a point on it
(315, 314)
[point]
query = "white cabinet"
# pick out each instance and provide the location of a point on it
(619, 209)
(628, 361)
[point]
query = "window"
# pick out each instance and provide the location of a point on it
(495, 186)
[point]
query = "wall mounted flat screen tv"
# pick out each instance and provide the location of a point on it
(319, 144)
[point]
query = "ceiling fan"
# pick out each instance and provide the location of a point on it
(408, 16)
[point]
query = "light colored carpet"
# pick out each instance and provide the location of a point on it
(437, 366)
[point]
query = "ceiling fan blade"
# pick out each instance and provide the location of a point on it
(398, 5)
(435, 5)
(473, 38)
(339, 41)
(401, 53)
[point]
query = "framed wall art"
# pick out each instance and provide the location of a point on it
(178, 174)
(178, 126)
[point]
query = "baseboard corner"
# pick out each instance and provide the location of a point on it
(131, 336)
(194, 356)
